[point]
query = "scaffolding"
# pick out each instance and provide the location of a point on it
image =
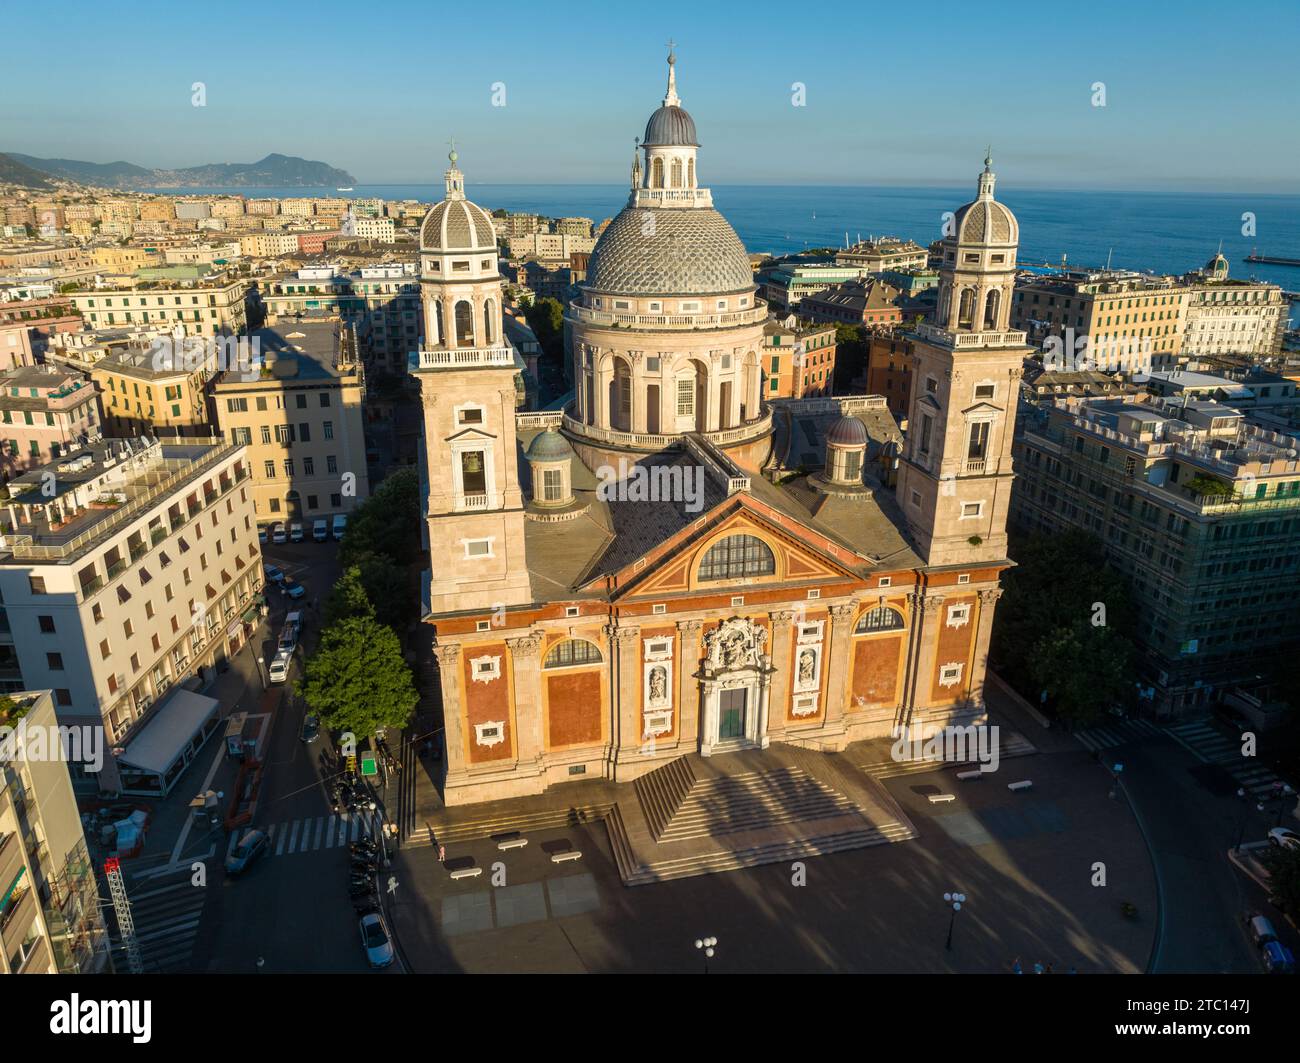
(122, 908)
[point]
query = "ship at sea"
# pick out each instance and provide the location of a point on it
(1272, 260)
(348, 189)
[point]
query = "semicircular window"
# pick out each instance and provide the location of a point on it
(573, 651)
(737, 556)
(882, 618)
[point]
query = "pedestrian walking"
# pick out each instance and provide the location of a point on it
(1015, 966)
(442, 854)
(1038, 967)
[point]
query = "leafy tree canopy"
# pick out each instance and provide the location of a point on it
(387, 523)
(357, 679)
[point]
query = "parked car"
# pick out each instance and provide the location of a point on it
(288, 641)
(250, 847)
(1261, 930)
(262, 535)
(279, 670)
(1285, 837)
(273, 574)
(278, 534)
(294, 589)
(320, 530)
(340, 526)
(295, 532)
(1277, 958)
(310, 728)
(374, 938)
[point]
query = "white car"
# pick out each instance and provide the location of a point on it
(295, 532)
(374, 938)
(277, 534)
(1285, 837)
(279, 670)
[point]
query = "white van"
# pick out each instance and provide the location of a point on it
(320, 530)
(295, 532)
(290, 632)
(279, 670)
(340, 526)
(277, 534)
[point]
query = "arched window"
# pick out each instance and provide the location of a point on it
(489, 333)
(737, 556)
(677, 173)
(690, 173)
(657, 173)
(991, 310)
(571, 652)
(966, 311)
(882, 618)
(464, 324)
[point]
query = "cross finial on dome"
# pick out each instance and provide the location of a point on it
(988, 158)
(454, 178)
(987, 178)
(671, 99)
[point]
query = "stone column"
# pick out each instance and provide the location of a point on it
(526, 669)
(688, 688)
(980, 657)
(453, 713)
(625, 695)
(780, 685)
(837, 649)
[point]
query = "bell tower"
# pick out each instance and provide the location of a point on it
(467, 371)
(954, 482)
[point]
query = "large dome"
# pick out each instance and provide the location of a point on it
(669, 252)
(670, 126)
(457, 225)
(986, 221)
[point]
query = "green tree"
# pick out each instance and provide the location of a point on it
(357, 679)
(390, 587)
(387, 523)
(348, 598)
(1284, 876)
(545, 317)
(1065, 626)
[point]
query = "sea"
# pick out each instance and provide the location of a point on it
(1159, 232)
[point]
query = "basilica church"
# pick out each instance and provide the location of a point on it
(672, 566)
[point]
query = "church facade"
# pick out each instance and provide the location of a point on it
(652, 571)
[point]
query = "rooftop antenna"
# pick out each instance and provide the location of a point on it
(1109, 252)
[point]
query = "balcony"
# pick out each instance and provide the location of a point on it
(646, 441)
(464, 357)
(1010, 338)
(975, 466)
(475, 501)
(668, 322)
(157, 535)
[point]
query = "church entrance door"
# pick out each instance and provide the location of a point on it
(731, 713)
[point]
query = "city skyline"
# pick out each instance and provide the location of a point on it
(389, 123)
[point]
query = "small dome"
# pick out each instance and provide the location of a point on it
(670, 126)
(986, 221)
(669, 251)
(457, 225)
(847, 432)
(549, 446)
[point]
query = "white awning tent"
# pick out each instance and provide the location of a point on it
(174, 734)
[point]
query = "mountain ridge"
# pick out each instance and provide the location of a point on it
(275, 170)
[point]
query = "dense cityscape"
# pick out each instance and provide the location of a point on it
(605, 595)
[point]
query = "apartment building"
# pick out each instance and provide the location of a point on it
(268, 244)
(1131, 321)
(139, 571)
(210, 307)
(549, 247)
(869, 302)
(45, 411)
(889, 370)
(887, 252)
(116, 259)
(144, 392)
(299, 207)
(15, 346)
(51, 919)
(382, 302)
(1232, 316)
(301, 421)
(785, 285)
(368, 228)
(1197, 507)
(798, 359)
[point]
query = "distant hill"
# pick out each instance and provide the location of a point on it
(274, 171)
(14, 172)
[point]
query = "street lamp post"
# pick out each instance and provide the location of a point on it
(706, 945)
(955, 900)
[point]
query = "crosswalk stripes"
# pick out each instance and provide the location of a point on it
(1213, 743)
(1109, 735)
(166, 913)
(313, 833)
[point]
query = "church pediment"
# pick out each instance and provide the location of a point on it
(927, 402)
(986, 409)
(468, 434)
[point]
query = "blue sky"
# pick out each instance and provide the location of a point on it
(1199, 95)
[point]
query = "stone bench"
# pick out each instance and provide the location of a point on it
(974, 773)
(512, 843)
(571, 854)
(1023, 784)
(939, 799)
(467, 872)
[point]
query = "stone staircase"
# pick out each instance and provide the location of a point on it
(695, 817)
(1010, 744)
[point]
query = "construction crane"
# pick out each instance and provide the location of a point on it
(122, 908)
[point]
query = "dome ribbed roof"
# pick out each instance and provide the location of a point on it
(457, 225)
(548, 446)
(653, 251)
(847, 432)
(986, 221)
(670, 126)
